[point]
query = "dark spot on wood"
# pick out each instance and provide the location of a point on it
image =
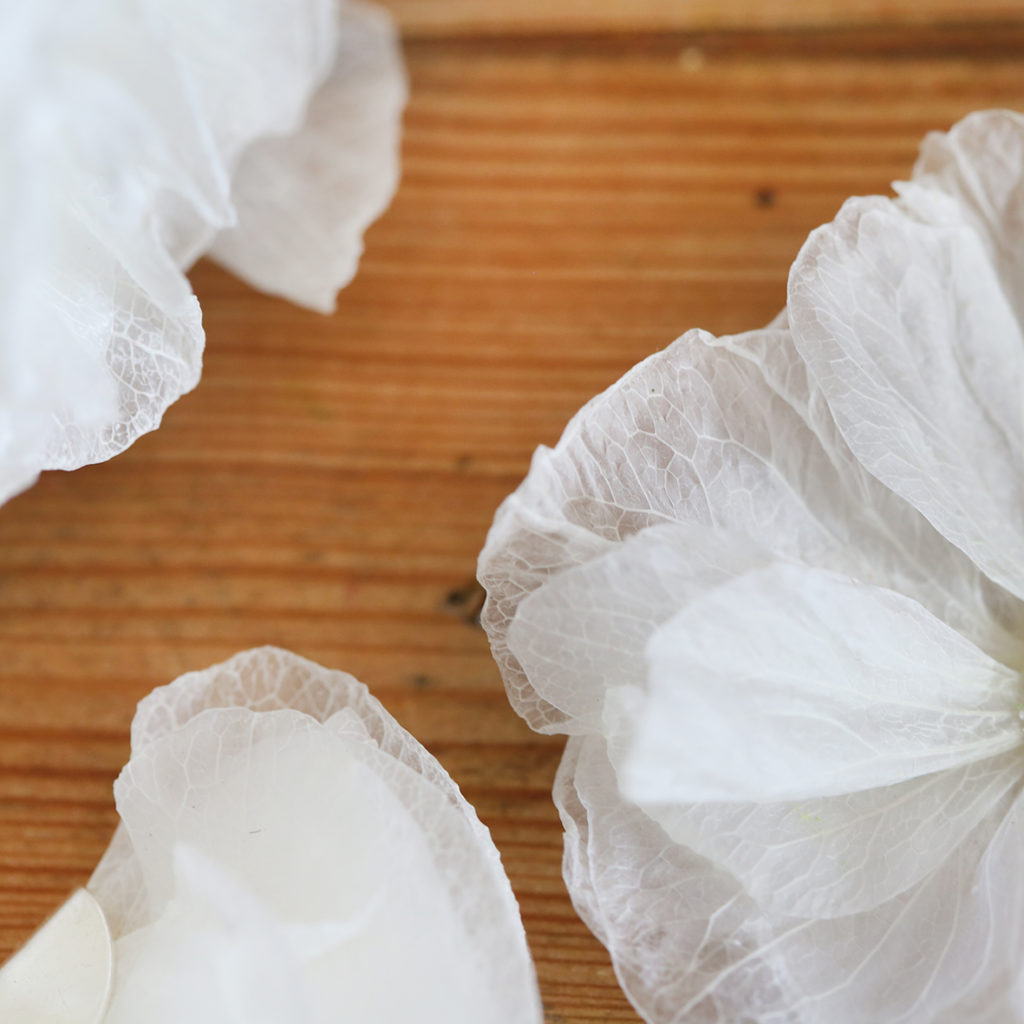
(764, 198)
(421, 681)
(464, 462)
(466, 601)
(459, 597)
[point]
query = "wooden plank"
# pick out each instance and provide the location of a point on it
(447, 18)
(563, 213)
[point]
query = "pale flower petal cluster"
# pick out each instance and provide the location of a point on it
(135, 135)
(772, 586)
(288, 854)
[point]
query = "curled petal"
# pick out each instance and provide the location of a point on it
(135, 135)
(585, 630)
(978, 161)
(729, 435)
(905, 325)
(840, 855)
(790, 683)
(771, 586)
(285, 843)
(690, 944)
(304, 201)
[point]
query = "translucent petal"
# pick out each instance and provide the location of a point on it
(304, 202)
(823, 772)
(63, 974)
(979, 162)
(885, 540)
(585, 631)
(584, 634)
(320, 830)
(215, 950)
(125, 135)
(98, 328)
(905, 326)
(730, 435)
(840, 855)
(690, 945)
(791, 683)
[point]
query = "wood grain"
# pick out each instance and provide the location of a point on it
(446, 18)
(564, 211)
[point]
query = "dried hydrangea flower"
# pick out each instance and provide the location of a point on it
(137, 135)
(771, 586)
(289, 854)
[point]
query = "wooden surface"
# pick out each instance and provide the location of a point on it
(448, 18)
(572, 199)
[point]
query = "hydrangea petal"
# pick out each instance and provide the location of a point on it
(304, 202)
(791, 683)
(63, 974)
(688, 943)
(782, 458)
(342, 834)
(585, 630)
(906, 327)
(730, 435)
(840, 855)
(979, 162)
(215, 950)
(583, 634)
(127, 130)
(881, 533)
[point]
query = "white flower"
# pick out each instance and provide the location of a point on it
(771, 585)
(136, 135)
(288, 854)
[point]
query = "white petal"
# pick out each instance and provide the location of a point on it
(948, 949)
(979, 161)
(584, 633)
(242, 98)
(906, 327)
(304, 202)
(125, 149)
(993, 933)
(726, 434)
(216, 951)
(880, 537)
(671, 920)
(327, 816)
(791, 683)
(63, 974)
(874, 432)
(98, 327)
(689, 945)
(585, 630)
(840, 855)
